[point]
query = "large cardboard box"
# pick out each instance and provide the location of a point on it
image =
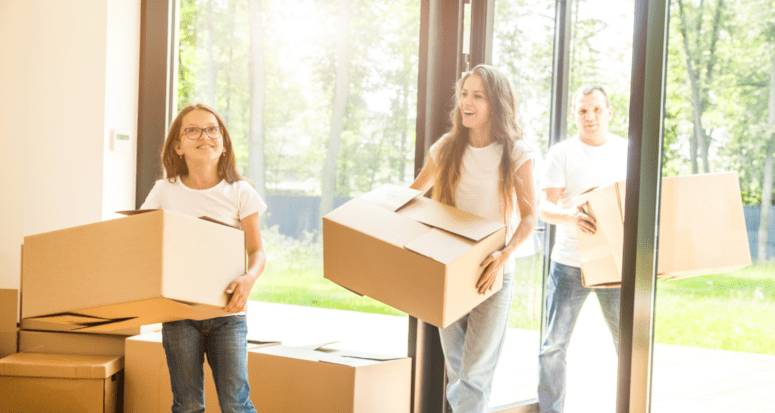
(410, 252)
(147, 268)
(147, 378)
(9, 319)
(297, 380)
(34, 383)
(47, 342)
(701, 230)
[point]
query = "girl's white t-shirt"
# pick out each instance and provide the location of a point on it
(478, 191)
(225, 202)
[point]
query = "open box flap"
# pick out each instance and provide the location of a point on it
(440, 246)
(391, 197)
(142, 211)
(450, 219)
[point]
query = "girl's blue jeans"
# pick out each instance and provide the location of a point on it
(224, 341)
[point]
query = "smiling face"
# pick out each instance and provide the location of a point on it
(204, 149)
(592, 114)
(473, 104)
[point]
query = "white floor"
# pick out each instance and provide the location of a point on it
(591, 367)
(685, 379)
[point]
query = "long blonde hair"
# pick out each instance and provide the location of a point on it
(505, 129)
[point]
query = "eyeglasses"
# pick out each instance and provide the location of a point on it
(194, 133)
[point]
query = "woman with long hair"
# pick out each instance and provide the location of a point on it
(482, 165)
(201, 179)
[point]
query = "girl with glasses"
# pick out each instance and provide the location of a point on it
(201, 179)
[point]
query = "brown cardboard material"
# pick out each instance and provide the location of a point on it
(46, 342)
(72, 323)
(702, 229)
(299, 380)
(9, 342)
(147, 388)
(9, 309)
(33, 383)
(147, 268)
(412, 253)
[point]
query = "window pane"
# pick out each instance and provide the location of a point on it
(601, 48)
(715, 344)
(311, 92)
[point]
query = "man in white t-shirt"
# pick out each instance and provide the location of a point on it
(593, 158)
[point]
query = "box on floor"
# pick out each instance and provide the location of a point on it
(701, 230)
(152, 267)
(34, 383)
(412, 253)
(299, 380)
(147, 379)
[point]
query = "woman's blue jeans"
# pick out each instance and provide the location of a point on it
(224, 341)
(565, 295)
(472, 346)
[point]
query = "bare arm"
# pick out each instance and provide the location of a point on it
(240, 288)
(527, 223)
(552, 213)
(424, 180)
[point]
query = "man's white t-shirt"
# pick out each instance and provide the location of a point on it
(478, 191)
(578, 167)
(228, 203)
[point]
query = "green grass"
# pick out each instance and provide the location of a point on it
(732, 311)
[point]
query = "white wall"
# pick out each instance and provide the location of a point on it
(72, 77)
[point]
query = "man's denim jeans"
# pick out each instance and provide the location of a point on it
(472, 346)
(565, 296)
(224, 341)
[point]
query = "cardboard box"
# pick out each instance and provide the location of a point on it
(702, 229)
(410, 252)
(9, 342)
(33, 383)
(9, 309)
(147, 268)
(147, 377)
(76, 324)
(297, 380)
(46, 342)
(9, 319)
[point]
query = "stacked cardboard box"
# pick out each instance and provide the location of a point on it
(301, 380)
(34, 383)
(9, 321)
(701, 229)
(415, 254)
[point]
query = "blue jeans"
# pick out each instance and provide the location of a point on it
(565, 296)
(472, 346)
(224, 341)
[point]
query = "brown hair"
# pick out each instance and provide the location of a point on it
(505, 129)
(174, 166)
